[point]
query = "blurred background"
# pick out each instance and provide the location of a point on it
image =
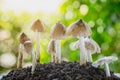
(16, 16)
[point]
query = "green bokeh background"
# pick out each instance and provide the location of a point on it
(103, 17)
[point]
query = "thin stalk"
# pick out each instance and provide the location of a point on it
(33, 62)
(37, 47)
(53, 57)
(20, 58)
(107, 70)
(56, 57)
(89, 56)
(82, 51)
(58, 51)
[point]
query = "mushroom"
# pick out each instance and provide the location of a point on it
(91, 47)
(38, 27)
(58, 33)
(117, 74)
(80, 29)
(23, 37)
(28, 47)
(106, 61)
(51, 49)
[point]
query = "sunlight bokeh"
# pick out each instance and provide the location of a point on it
(7, 60)
(4, 34)
(31, 6)
(84, 9)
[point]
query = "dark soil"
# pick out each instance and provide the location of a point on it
(63, 71)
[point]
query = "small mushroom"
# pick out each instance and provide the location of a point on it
(91, 47)
(38, 27)
(58, 33)
(117, 74)
(51, 49)
(23, 37)
(80, 29)
(106, 61)
(28, 47)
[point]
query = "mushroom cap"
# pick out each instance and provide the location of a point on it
(28, 46)
(51, 46)
(38, 25)
(105, 60)
(79, 28)
(58, 31)
(92, 46)
(23, 37)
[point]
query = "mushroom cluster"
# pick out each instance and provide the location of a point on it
(26, 45)
(57, 34)
(78, 29)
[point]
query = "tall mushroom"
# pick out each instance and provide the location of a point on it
(106, 61)
(58, 33)
(51, 49)
(38, 27)
(23, 37)
(80, 29)
(28, 47)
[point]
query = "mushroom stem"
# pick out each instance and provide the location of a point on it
(20, 58)
(56, 57)
(107, 70)
(33, 62)
(82, 51)
(58, 51)
(37, 47)
(89, 56)
(53, 57)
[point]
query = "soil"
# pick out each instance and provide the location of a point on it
(63, 71)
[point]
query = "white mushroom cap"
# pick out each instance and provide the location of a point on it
(23, 37)
(28, 46)
(92, 46)
(104, 60)
(38, 25)
(58, 31)
(51, 47)
(79, 28)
